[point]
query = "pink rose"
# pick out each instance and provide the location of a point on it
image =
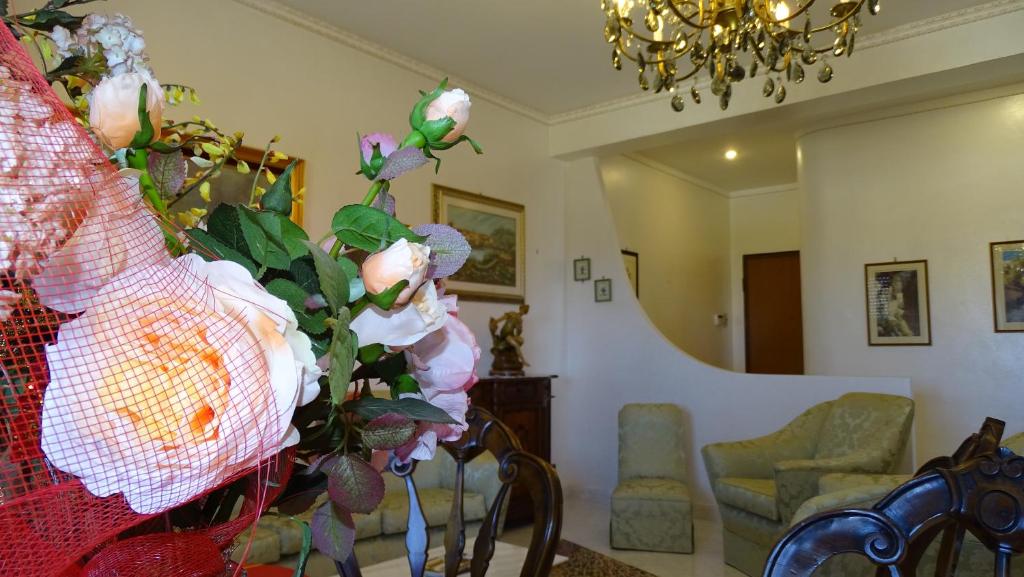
(114, 108)
(401, 327)
(386, 142)
(445, 360)
(453, 104)
(402, 260)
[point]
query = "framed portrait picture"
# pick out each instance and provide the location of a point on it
(603, 290)
(234, 187)
(581, 269)
(897, 303)
(496, 230)
(1007, 259)
(632, 262)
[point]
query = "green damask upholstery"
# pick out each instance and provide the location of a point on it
(761, 483)
(651, 507)
(843, 491)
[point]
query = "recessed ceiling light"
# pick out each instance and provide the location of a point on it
(731, 154)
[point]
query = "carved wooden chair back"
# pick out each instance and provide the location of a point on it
(515, 466)
(979, 489)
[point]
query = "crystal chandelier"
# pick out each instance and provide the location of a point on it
(671, 41)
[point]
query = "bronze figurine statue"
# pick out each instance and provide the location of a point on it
(507, 335)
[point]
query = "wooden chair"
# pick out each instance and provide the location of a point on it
(980, 489)
(486, 433)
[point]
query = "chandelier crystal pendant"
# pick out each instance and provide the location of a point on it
(671, 41)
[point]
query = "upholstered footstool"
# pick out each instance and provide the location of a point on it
(652, 515)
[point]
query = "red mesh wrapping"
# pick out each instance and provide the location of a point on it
(126, 388)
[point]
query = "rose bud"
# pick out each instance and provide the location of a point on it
(114, 108)
(374, 148)
(452, 104)
(403, 260)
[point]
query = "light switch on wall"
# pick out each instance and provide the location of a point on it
(721, 319)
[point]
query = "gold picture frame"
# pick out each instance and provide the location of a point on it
(233, 187)
(496, 229)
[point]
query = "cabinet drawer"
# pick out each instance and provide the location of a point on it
(522, 392)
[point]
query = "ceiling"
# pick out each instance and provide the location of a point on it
(548, 55)
(766, 156)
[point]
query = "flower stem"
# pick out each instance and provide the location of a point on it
(139, 160)
(371, 195)
(256, 178)
(415, 138)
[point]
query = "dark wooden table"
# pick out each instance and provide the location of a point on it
(524, 405)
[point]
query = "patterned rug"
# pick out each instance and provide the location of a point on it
(586, 563)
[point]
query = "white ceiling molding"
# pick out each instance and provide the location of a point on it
(763, 190)
(350, 40)
(934, 24)
(674, 173)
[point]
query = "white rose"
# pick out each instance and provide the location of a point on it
(114, 108)
(403, 326)
(454, 104)
(402, 260)
(177, 377)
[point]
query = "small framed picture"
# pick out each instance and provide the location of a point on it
(581, 269)
(603, 290)
(1007, 259)
(632, 262)
(897, 303)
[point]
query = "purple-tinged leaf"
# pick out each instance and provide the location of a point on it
(385, 202)
(388, 431)
(448, 249)
(354, 484)
(334, 531)
(167, 171)
(400, 162)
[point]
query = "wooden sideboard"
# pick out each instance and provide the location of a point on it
(524, 405)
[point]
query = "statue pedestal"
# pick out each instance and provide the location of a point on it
(506, 364)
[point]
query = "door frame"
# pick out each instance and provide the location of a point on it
(746, 317)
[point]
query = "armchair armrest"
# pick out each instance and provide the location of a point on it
(796, 481)
(755, 458)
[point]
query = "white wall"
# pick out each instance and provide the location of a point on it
(681, 232)
(936, 185)
(264, 76)
(759, 223)
(614, 355)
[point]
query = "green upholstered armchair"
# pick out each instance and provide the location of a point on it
(759, 484)
(651, 508)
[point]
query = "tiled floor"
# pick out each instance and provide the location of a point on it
(586, 523)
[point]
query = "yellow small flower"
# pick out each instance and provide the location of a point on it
(271, 177)
(243, 167)
(204, 191)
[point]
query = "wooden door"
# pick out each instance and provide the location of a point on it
(772, 313)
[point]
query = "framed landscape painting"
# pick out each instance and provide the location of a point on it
(897, 303)
(1007, 259)
(496, 230)
(234, 187)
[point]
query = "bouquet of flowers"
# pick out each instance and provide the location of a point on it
(151, 369)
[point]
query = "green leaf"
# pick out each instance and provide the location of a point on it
(404, 384)
(145, 134)
(386, 299)
(3, 8)
(224, 224)
(222, 251)
(334, 284)
(344, 346)
(295, 296)
(278, 197)
(369, 229)
(262, 231)
(293, 237)
(303, 272)
(351, 269)
(388, 431)
(353, 484)
(389, 368)
(46, 20)
(307, 546)
(369, 408)
(334, 531)
(371, 353)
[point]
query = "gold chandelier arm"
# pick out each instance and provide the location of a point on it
(761, 9)
(699, 25)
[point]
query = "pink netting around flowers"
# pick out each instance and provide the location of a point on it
(127, 386)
